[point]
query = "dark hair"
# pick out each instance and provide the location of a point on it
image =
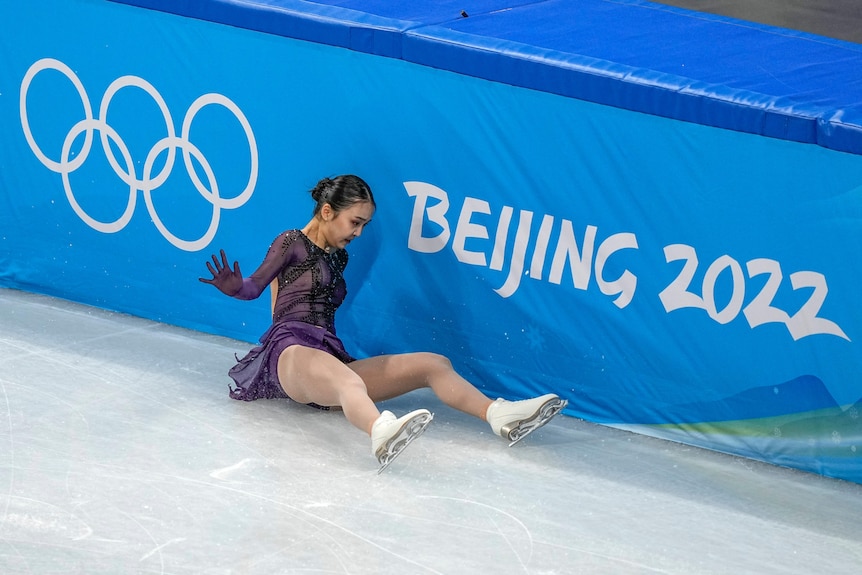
(341, 192)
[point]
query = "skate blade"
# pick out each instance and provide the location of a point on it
(411, 429)
(542, 416)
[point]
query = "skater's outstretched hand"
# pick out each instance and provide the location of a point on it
(227, 280)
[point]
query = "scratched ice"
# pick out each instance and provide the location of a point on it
(120, 452)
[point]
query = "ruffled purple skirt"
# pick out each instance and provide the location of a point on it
(256, 375)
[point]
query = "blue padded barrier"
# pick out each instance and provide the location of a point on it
(632, 54)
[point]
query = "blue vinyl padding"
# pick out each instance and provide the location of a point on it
(630, 54)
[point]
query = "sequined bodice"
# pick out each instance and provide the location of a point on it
(311, 283)
(312, 286)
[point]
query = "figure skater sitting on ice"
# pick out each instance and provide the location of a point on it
(301, 358)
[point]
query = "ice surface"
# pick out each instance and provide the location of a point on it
(120, 452)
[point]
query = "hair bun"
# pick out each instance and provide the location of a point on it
(320, 189)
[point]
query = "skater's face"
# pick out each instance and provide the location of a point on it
(342, 227)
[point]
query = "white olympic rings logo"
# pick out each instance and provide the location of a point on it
(148, 181)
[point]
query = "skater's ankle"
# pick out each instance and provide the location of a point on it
(483, 414)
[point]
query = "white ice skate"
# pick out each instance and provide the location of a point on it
(389, 436)
(515, 420)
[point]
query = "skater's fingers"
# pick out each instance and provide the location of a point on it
(215, 263)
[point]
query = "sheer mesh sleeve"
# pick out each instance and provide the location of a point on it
(279, 255)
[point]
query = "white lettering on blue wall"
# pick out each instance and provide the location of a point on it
(583, 253)
(431, 206)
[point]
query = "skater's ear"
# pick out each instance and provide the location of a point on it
(326, 212)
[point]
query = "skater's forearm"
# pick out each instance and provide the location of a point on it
(249, 290)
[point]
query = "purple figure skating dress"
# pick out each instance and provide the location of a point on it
(311, 286)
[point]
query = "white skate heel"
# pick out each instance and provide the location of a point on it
(515, 420)
(389, 436)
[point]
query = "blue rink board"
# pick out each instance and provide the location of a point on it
(632, 54)
(670, 277)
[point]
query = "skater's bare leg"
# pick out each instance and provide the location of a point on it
(389, 376)
(312, 376)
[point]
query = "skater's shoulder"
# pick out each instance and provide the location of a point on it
(288, 237)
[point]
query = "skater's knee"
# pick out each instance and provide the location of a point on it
(351, 385)
(435, 363)
(437, 367)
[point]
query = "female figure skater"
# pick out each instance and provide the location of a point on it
(301, 358)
